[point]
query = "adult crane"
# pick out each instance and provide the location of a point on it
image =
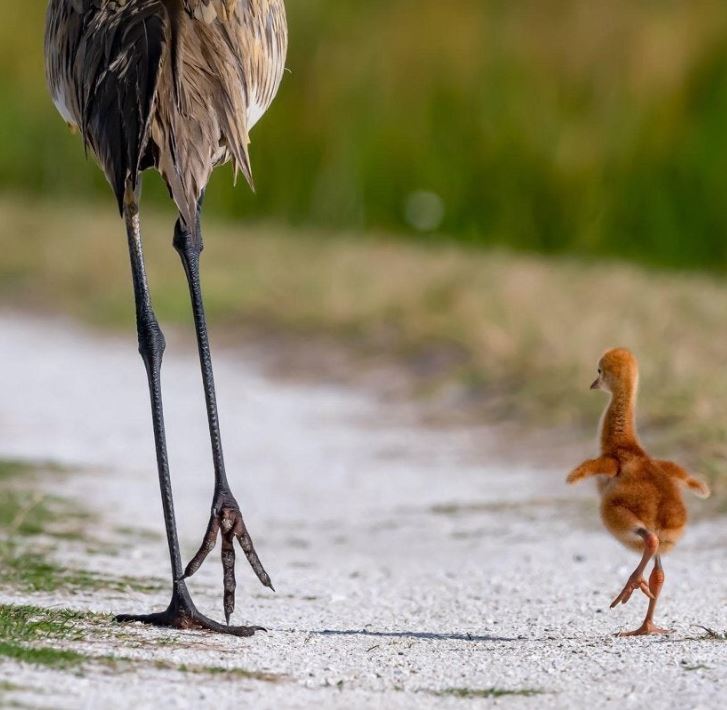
(174, 85)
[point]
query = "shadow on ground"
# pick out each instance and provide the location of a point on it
(422, 635)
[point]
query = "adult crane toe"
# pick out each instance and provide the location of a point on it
(182, 614)
(226, 521)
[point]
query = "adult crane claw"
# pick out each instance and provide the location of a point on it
(182, 614)
(226, 521)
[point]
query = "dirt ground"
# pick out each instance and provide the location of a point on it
(414, 569)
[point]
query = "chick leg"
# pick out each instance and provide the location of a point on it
(636, 580)
(656, 582)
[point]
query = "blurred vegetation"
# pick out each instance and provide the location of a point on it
(497, 336)
(552, 125)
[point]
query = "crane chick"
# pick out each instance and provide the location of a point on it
(641, 497)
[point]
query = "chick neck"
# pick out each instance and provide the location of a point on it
(618, 428)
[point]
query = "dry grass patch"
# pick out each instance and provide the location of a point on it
(522, 331)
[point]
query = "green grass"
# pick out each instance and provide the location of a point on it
(44, 637)
(25, 512)
(29, 520)
(23, 628)
(486, 693)
(33, 623)
(19, 511)
(28, 571)
(595, 127)
(48, 657)
(220, 672)
(62, 659)
(10, 468)
(14, 468)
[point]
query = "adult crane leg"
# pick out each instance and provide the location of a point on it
(181, 612)
(225, 519)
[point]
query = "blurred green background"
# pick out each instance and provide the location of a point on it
(549, 125)
(452, 176)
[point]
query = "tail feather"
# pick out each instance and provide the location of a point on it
(116, 63)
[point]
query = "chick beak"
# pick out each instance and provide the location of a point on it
(597, 384)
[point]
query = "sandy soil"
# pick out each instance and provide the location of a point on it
(408, 563)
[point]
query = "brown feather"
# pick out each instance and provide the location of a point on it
(637, 492)
(171, 84)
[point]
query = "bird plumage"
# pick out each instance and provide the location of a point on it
(641, 497)
(172, 84)
(175, 85)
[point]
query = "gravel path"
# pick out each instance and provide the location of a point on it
(412, 570)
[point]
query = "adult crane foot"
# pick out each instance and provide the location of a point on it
(182, 614)
(226, 522)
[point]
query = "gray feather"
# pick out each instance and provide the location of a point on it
(171, 84)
